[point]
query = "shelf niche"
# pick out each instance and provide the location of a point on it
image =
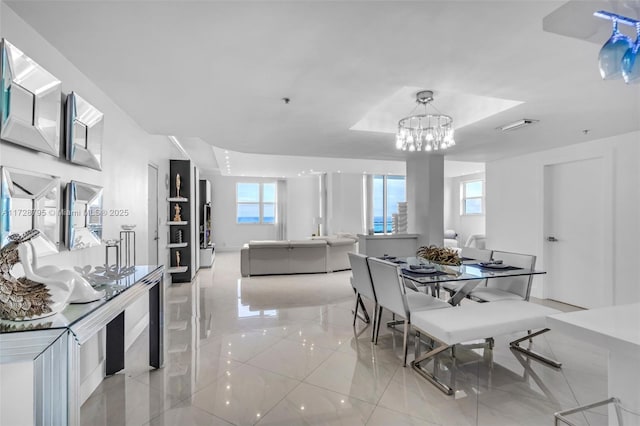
(180, 232)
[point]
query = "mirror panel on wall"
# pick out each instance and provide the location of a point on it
(84, 215)
(84, 130)
(31, 200)
(29, 102)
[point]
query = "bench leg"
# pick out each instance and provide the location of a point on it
(426, 374)
(515, 345)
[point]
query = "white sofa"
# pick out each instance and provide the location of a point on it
(327, 254)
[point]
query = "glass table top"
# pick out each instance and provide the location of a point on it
(469, 270)
(76, 311)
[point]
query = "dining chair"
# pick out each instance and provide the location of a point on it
(362, 285)
(507, 288)
(392, 295)
(471, 253)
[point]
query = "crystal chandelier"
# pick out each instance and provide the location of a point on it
(425, 132)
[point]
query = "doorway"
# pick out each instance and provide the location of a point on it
(577, 245)
(152, 221)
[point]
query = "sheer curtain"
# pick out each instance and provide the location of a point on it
(281, 209)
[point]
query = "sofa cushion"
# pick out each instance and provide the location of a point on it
(269, 243)
(340, 241)
(308, 243)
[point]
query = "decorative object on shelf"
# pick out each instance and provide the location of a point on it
(178, 184)
(176, 216)
(128, 245)
(80, 289)
(179, 236)
(441, 255)
(83, 132)
(317, 221)
(84, 215)
(29, 102)
(111, 244)
(618, 56)
(104, 274)
(31, 200)
(425, 132)
(178, 258)
(22, 298)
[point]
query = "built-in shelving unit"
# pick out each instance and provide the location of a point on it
(177, 245)
(180, 240)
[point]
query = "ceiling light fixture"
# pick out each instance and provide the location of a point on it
(425, 132)
(517, 124)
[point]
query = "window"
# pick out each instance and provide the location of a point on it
(388, 191)
(472, 197)
(256, 203)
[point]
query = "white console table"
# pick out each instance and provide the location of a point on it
(40, 359)
(400, 245)
(616, 328)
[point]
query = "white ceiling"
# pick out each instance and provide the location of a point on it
(216, 71)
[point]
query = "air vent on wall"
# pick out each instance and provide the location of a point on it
(517, 125)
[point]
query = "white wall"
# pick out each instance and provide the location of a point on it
(515, 195)
(126, 152)
(303, 205)
(345, 203)
(463, 225)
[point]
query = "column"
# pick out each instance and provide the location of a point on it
(425, 197)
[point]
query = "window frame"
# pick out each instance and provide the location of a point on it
(464, 198)
(261, 203)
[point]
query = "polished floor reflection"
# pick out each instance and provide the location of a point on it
(281, 351)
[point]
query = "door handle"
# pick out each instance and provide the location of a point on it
(552, 239)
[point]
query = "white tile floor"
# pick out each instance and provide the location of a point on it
(282, 351)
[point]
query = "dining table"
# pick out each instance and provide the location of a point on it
(470, 269)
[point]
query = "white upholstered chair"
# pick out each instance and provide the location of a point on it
(361, 282)
(392, 295)
(507, 288)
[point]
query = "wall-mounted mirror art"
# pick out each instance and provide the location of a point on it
(83, 131)
(29, 102)
(84, 215)
(31, 200)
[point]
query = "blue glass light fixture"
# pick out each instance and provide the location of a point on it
(630, 62)
(610, 57)
(618, 56)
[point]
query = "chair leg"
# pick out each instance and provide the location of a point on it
(375, 322)
(355, 311)
(378, 325)
(404, 341)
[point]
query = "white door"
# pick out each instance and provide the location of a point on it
(575, 241)
(153, 214)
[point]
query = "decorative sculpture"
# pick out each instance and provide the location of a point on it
(177, 258)
(177, 184)
(441, 255)
(79, 288)
(176, 216)
(22, 298)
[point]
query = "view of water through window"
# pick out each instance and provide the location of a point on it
(395, 188)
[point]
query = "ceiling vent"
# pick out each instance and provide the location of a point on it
(517, 125)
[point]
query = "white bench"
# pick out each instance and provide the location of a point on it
(474, 321)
